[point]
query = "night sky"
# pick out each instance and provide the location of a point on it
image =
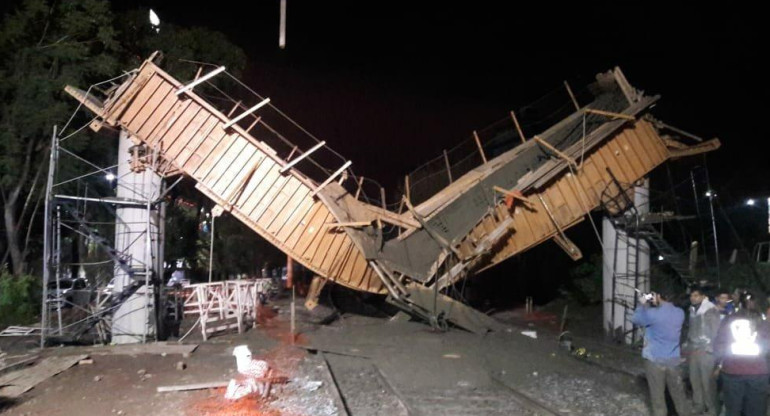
(390, 84)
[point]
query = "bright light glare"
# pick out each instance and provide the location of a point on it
(154, 19)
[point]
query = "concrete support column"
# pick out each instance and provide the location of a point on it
(134, 320)
(625, 266)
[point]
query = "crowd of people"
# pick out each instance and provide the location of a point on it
(726, 347)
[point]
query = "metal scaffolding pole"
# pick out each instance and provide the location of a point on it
(58, 268)
(47, 238)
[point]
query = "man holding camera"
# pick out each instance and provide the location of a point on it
(662, 322)
(704, 324)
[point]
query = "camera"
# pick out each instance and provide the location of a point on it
(645, 297)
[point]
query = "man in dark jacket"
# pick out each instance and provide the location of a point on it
(741, 349)
(703, 328)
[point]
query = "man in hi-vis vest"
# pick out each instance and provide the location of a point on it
(741, 350)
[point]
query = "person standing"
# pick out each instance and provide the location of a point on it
(724, 304)
(741, 349)
(663, 328)
(702, 330)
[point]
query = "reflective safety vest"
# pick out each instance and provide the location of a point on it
(744, 338)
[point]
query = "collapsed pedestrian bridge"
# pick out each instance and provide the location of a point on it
(504, 194)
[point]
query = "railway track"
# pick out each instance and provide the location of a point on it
(365, 390)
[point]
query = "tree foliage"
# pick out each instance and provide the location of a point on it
(43, 47)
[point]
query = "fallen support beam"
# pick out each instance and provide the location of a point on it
(314, 292)
(560, 238)
(403, 221)
(557, 151)
(481, 249)
(697, 149)
(18, 364)
(514, 194)
(352, 224)
(568, 246)
(450, 310)
(198, 386)
(16, 383)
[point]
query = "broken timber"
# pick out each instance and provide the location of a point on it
(458, 232)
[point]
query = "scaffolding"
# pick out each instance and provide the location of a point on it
(639, 232)
(80, 260)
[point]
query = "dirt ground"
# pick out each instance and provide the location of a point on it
(381, 367)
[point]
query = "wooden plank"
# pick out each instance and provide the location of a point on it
(639, 148)
(187, 135)
(232, 175)
(314, 233)
(155, 348)
(323, 235)
(216, 153)
(27, 360)
(16, 383)
(249, 197)
(623, 160)
(207, 152)
(195, 144)
(373, 281)
(328, 249)
(570, 207)
(157, 135)
(269, 196)
(299, 229)
(280, 201)
(609, 160)
(178, 127)
(635, 152)
(188, 387)
(155, 87)
(349, 264)
(336, 262)
(141, 101)
(309, 228)
(154, 123)
(266, 183)
(531, 230)
(359, 267)
(650, 136)
(293, 204)
(283, 207)
(237, 189)
(293, 221)
(220, 174)
(598, 183)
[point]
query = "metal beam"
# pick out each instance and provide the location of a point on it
(246, 113)
(200, 80)
(302, 156)
(331, 178)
